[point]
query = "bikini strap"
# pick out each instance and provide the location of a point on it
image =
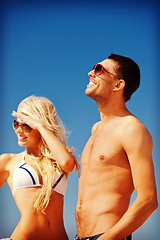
(58, 180)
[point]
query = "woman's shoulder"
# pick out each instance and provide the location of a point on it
(7, 156)
(6, 159)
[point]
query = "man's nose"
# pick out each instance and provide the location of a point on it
(91, 73)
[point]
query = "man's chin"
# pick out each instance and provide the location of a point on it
(91, 95)
(88, 93)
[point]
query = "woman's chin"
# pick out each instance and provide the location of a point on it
(21, 144)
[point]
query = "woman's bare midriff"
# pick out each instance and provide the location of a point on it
(36, 225)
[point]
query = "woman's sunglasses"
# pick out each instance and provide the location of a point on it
(98, 69)
(23, 125)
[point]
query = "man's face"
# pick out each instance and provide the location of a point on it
(100, 87)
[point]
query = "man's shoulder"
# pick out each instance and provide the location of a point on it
(95, 126)
(131, 123)
(134, 131)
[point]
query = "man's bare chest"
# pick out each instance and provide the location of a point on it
(102, 147)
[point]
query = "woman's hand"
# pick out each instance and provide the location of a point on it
(33, 123)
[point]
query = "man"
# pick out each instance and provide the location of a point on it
(117, 158)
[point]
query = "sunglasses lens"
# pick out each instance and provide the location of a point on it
(15, 124)
(98, 69)
(24, 126)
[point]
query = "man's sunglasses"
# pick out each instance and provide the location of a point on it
(98, 69)
(23, 125)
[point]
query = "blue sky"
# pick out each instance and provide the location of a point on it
(47, 49)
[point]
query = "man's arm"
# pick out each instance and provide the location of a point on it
(137, 143)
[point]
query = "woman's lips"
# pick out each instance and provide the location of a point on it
(21, 138)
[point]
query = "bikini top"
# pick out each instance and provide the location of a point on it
(26, 177)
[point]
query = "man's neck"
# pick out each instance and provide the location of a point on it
(111, 110)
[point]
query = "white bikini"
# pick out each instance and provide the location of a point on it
(26, 177)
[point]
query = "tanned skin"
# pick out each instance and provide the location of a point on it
(35, 224)
(116, 160)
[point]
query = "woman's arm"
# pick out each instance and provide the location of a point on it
(59, 151)
(4, 173)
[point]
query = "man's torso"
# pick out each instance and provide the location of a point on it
(105, 185)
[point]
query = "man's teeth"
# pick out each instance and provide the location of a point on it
(91, 83)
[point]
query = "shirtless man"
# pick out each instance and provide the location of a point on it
(117, 158)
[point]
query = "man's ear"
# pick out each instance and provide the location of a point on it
(119, 85)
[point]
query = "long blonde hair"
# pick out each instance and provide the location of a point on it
(42, 109)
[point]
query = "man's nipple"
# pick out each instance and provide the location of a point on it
(101, 157)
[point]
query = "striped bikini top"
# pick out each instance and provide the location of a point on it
(25, 176)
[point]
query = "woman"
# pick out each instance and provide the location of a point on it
(38, 176)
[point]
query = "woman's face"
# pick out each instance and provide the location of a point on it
(26, 136)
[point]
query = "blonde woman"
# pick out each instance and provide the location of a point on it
(38, 176)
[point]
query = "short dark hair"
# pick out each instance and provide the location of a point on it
(129, 71)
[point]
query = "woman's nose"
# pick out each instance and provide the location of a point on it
(18, 129)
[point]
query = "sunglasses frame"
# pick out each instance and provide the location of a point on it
(102, 69)
(24, 126)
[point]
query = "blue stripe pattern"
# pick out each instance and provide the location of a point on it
(33, 180)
